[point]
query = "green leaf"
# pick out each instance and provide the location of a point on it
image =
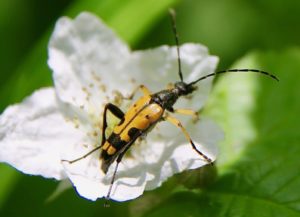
(7, 182)
(262, 177)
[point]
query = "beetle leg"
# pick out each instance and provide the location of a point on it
(141, 87)
(177, 123)
(82, 157)
(188, 112)
(118, 113)
(119, 158)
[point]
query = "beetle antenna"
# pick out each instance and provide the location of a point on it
(234, 70)
(173, 19)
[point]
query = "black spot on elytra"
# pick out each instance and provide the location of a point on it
(116, 142)
(133, 132)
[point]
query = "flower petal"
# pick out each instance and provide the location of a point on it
(161, 158)
(91, 183)
(33, 135)
(149, 164)
(158, 67)
(85, 55)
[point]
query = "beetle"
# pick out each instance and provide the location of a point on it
(146, 112)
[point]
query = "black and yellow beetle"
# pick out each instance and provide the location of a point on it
(145, 113)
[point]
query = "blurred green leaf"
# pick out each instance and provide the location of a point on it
(7, 182)
(29, 198)
(262, 178)
(21, 24)
(230, 28)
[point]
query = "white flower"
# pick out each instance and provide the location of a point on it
(91, 67)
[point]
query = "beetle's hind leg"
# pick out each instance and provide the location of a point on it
(82, 157)
(119, 159)
(178, 124)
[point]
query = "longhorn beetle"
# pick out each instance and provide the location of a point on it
(145, 113)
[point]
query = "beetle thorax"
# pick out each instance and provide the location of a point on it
(167, 98)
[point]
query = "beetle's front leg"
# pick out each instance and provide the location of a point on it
(190, 112)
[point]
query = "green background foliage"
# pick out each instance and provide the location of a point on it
(257, 173)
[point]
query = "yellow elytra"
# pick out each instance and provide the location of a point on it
(139, 118)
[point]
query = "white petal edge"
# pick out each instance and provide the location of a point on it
(158, 67)
(33, 134)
